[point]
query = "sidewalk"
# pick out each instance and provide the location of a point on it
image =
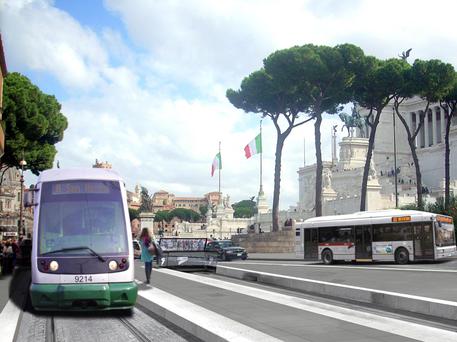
(5, 281)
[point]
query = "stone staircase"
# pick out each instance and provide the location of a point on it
(269, 242)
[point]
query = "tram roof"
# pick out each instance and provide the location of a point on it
(76, 174)
(366, 215)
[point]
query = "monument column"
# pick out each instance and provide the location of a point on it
(434, 135)
(443, 123)
(412, 128)
(426, 130)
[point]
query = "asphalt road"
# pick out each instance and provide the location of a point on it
(434, 280)
(288, 315)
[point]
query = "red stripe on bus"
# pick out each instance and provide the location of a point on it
(336, 244)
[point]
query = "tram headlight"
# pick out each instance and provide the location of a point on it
(112, 265)
(53, 266)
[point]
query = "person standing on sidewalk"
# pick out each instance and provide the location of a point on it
(146, 257)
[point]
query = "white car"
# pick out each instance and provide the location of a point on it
(136, 249)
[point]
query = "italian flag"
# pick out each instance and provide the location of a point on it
(217, 164)
(254, 147)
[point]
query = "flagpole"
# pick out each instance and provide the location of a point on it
(261, 156)
(220, 157)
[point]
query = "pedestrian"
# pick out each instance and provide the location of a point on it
(146, 255)
(158, 252)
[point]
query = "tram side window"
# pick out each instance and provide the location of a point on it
(392, 232)
(330, 234)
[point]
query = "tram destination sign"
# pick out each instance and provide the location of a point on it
(80, 187)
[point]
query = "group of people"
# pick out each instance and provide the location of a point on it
(9, 250)
(150, 249)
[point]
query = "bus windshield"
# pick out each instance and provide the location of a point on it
(81, 213)
(444, 234)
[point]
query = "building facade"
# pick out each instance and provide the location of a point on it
(10, 192)
(342, 178)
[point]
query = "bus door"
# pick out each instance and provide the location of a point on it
(311, 250)
(423, 241)
(363, 239)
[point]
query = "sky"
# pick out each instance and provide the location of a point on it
(143, 82)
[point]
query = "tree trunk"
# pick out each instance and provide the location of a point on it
(447, 151)
(319, 166)
(412, 146)
(366, 169)
(277, 181)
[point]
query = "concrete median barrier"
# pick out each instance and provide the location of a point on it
(392, 300)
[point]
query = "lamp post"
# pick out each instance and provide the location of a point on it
(22, 163)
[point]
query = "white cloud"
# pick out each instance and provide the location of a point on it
(157, 114)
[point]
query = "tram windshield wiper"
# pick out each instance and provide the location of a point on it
(94, 253)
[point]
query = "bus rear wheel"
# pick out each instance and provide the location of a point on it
(401, 256)
(327, 257)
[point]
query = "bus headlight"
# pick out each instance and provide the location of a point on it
(53, 266)
(112, 265)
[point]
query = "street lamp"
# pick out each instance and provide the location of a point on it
(22, 163)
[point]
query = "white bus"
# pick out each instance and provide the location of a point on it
(387, 235)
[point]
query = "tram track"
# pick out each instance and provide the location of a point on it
(50, 330)
(134, 330)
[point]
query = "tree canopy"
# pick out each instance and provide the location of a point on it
(33, 124)
(245, 209)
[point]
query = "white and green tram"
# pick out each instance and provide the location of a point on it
(82, 252)
(386, 235)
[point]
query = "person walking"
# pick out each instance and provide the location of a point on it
(146, 255)
(158, 252)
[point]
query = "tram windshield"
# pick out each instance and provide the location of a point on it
(82, 213)
(444, 234)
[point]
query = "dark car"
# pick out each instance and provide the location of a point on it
(226, 250)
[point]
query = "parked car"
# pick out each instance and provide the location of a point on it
(136, 249)
(226, 250)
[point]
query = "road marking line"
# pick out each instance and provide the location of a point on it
(349, 267)
(217, 324)
(404, 295)
(9, 318)
(386, 324)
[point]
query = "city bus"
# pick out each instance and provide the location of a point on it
(395, 235)
(82, 250)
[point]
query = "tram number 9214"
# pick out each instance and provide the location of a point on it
(83, 279)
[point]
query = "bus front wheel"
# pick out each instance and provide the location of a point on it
(327, 257)
(401, 256)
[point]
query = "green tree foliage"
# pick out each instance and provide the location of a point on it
(33, 124)
(184, 214)
(146, 200)
(377, 83)
(431, 80)
(438, 207)
(162, 216)
(203, 210)
(294, 86)
(245, 209)
(134, 214)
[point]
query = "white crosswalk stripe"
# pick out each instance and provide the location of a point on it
(221, 327)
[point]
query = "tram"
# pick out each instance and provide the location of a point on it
(395, 235)
(82, 251)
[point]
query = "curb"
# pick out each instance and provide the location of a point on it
(392, 300)
(178, 321)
